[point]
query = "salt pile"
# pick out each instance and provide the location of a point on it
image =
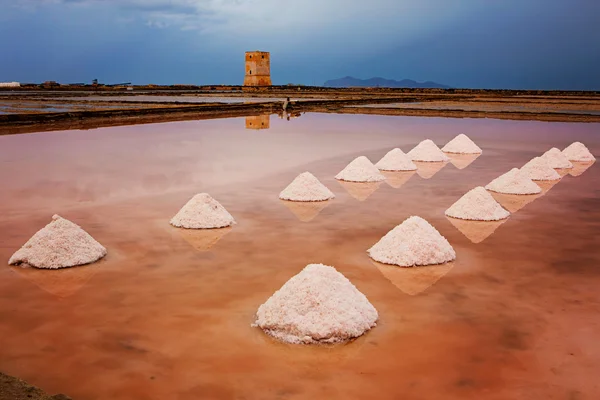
(360, 170)
(59, 244)
(306, 187)
(412, 243)
(514, 181)
(202, 212)
(478, 205)
(396, 160)
(461, 144)
(538, 169)
(578, 152)
(318, 305)
(556, 159)
(427, 151)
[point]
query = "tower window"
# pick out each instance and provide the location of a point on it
(250, 72)
(263, 56)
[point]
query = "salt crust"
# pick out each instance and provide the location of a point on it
(360, 170)
(556, 159)
(412, 243)
(427, 151)
(396, 160)
(462, 144)
(59, 244)
(514, 181)
(538, 169)
(202, 212)
(577, 151)
(478, 205)
(318, 305)
(306, 187)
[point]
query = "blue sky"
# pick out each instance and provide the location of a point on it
(535, 44)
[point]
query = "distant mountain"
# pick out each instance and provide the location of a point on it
(349, 81)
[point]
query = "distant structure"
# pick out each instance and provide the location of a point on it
(258, 122)
(10, 84)
(258, 69)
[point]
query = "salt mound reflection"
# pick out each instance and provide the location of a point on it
(62, 282)
(305, 211)
(397, 178)
(514, 202)
(427, 170)
(413, 280)
(476, 231)
(203, 239)
(462, 161)
(360, 190)
(546, 186)
(580, 167)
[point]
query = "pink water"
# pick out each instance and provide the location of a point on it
(167, 315)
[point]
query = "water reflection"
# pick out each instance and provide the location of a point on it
(397, 178)
(513, 202)
(580, 167)
(462, 161)
(258, 121)
(63, 282)
(305, 211)
(360, 190)
(413, 280)
(546, 185)
(562, 171)
(476, 231)
(203, 239)
(427, 170)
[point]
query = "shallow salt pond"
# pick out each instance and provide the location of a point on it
(167, 314)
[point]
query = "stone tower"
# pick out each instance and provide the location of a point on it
(258, 69)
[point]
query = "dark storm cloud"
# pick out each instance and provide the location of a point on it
(466, 43)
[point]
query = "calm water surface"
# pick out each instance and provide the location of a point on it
(167, 314)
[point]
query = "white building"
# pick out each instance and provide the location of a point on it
(10, 84)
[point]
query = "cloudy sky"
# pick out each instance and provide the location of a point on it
(537, 44)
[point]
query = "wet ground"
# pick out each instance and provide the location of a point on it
(167, 314)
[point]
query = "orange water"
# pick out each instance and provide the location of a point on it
(167, 315)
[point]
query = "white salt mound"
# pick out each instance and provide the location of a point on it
(360, 170)
(462, 144)
(479, 205)
(412, 243)
(318, 305)
(577, 151)
(538, 169)
(427, 151)
(396, 160)
(202, 212)
(306, 187)
(59, 244)
(514, 181)
(556, 159)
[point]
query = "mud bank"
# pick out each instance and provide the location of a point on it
(16, 389)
